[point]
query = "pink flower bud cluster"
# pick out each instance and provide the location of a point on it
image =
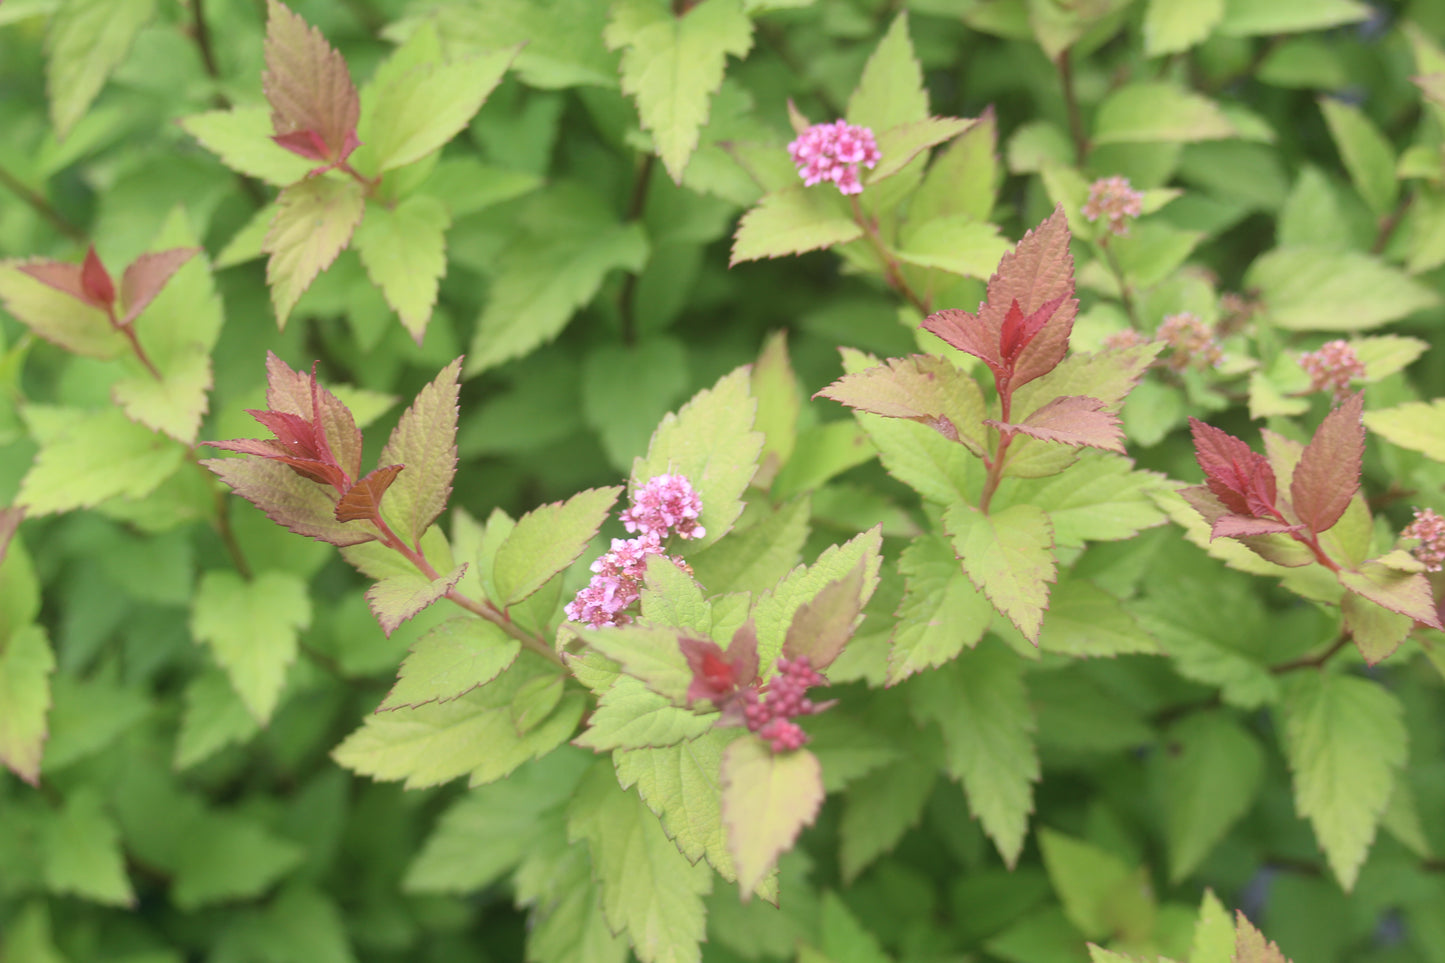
(1332, 368)
(832, 152)
(1429, 528)
(666, 504)
(1128, 338)
(771, 713)
(1113, 199)
(1191, 342)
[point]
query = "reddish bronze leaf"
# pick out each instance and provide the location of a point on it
(309, 89)
(1239, 477)
(1328, 473)
(147, 275)
(363, 500)
(87, 283)
(95, 281)
(1072, 420)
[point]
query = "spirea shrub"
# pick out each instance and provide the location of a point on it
(500, 481)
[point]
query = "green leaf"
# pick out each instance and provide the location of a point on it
(1099, 499)
(415, 114)
(1208, 773)
(775, 385)
(241, 859)
(1171, 27)
(251, 627)
(473, 734)
(315, 219)
(711, 442)
(1406, 592)
(1214, 933)
(89, 457)
(425, 442)
(82, 852)
(963, 178)
(451, 660)
(648, 888)
(890, 91)
(674, 64)
(648, 653)
(1101, 895)
(671, 597)
(27, 936)
(1085, 621)
(213, 718)
(543, 278)
(241, 138)
(58, 317)
(1214, 641)
(546, 540)
(1375, 631)
(923, 388)
(627, 388)
(1415, 425)
(980, 704)
(1368, 156)
(767, 799)
(86, 41)
(773, 613)
(878, 809)
(1009, 555)
(25, 666)
(631, 716)
(403, 249)
(755, 558)
(792, 221)
(1318, 289)
(1154, 112)
(397, 598)
(1345, 739)
(900, 144)
(941, 613)
(959, 244)
(19, 588)
(1250, 18)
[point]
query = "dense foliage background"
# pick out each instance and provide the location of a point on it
(1185, 722)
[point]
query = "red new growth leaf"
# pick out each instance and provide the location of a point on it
(88, 283)
(719, 676)
(1238, 477)
(147, 275)
(1021, 331)
(10, 519)
(1328, 473)
(1071, 420)
(362, 501)
(95, 281)
(314, 104)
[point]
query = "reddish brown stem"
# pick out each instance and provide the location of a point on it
(129, 331)
(892, 273)
(1313, 661)
(1006, 436)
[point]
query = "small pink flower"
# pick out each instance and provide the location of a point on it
(833, 152)
(666, 503)
(1112, 198)
(1191, 342)
(1429, 528)
(1128, 338)
(1332, 368)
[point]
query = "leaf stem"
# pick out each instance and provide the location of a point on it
(1071, 104)
(1126, 294)
(129, 331)
(41, 206)
(635, 207)
(1389, 223)
(891, 272)
(1313, 661)
(222, 521)
(202, 34)
(1006, 437)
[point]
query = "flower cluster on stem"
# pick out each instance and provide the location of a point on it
(1429, 528)
(1332, 367)
(834, 152)
(769, 710)
(1113, 199)
(666, 505)
(1191, 342)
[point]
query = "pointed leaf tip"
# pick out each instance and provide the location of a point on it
(1327, 475)
(308, 85)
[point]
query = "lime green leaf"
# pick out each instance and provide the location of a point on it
(1171, 27)
(821, 626)
(241, 859)
(251, 628)
(1345, 739)
(879, 809)
(473, 734)
(711, 442)
(1213, 934)
(86, 41)
(631, 716)
(941, 613)
(57, 317)
(1368, 156)
(670, 596)
(775, 385)
(213, 718)
(397, 598)
(754, 558)
(544, 278)
(241, 138)
(493, 828)
(1100, 499)
(1317, 289)
(403, 249)
(980, 704)
(415, 114)
(82, 852)
(794, 220)
(648, 653)
(1406, 592)
(890, 92)
(1211, 642)
(963, 178)
(959, 244)
(315, 219)
(773, 612)
(923, 388)
(425, 442)
(1250, 18)
(674, 64)
(19, 588)
(767, 799)
(1085, 621)
(648, 888)
(1009, 556)
(1250, 946)
(546, 540)
(1384, 354)
(900, 144)
(1375, 631)
(25, 666)
(1101, 895)
(567, 924)
(88, 457)
(1416, 425)
(1209, 772)
(1152, 112)
(451, 660)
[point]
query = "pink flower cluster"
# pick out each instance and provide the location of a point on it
(770, 713)
(667, 503)
(1113, 199)
(832, 152)
(1332, 368)
(1191, 342)
(1429, 528)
